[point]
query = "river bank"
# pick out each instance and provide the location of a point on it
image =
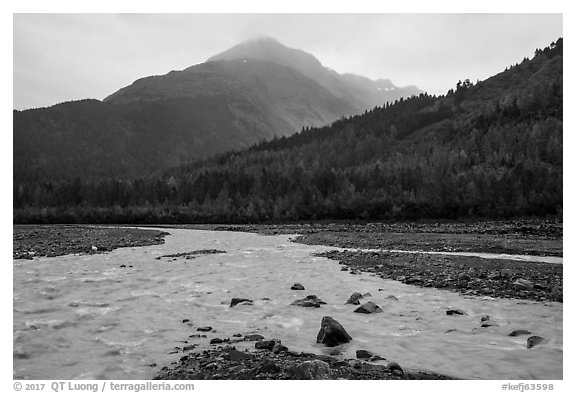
(529, 237)
(265, 364)
(55, 240)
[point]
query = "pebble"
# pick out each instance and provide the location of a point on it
(522, 283)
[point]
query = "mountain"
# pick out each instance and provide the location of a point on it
(359, 92)
(253, 92)
(290, 99)
(491, 149)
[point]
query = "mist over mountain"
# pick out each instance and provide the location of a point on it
(358, 91)
(255, 91)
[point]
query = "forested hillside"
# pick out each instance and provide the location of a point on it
(488, 149)
(260, 90)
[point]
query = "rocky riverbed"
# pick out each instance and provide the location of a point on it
(531, 236)
(226, 362)
(54, 240)
(467, 275)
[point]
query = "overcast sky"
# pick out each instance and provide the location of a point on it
(62, 57)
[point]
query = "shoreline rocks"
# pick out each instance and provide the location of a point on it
(312, 369)
(230, 364)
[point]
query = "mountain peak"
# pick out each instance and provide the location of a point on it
(269, 49)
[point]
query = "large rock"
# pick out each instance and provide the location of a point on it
(235, 301)
(297, 287)
(355, 298)
(267, 344)
(368, 308)
(278, 347)
(308, 301)
(533, 341)
(364, 354)
(520, 332)
(455, 312)
(313, 369)
(253, 337)
(332, 333)
(395, 368)
(237, 356)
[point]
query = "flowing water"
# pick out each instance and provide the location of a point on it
(483, 255)
(84, 317)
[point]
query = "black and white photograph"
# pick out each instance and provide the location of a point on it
(373, 196)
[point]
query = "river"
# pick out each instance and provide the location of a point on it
(85, 317)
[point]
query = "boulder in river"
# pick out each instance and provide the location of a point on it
(312, 369)
(297, 287)
(355, 298)
(368, 308)
(253, 337)
(332, 333)
(532, 341)
(235, 301)
(455, 312)
(308, 301)
(520, 332)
